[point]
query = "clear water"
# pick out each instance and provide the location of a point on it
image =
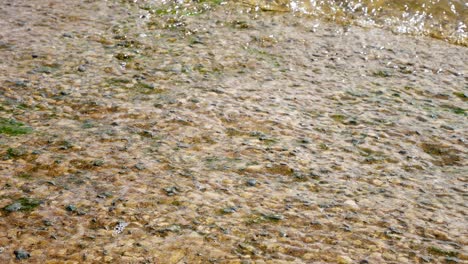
(153, 131)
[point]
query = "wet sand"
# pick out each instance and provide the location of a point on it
(130, 134)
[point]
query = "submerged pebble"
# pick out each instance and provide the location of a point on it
(21, 254)
(71, 208)
(13, 207)
(251, 182)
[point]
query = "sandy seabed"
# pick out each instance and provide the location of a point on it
(131, 134)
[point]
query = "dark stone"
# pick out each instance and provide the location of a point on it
(21, 83)
(98, 163)
(251, 182)
(70, 208)
(22, 254)
(48, 223)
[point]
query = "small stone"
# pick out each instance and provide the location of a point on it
(171, 191)
(422, 119)
(21, 254)
(120, 227)
(273, 217)
(98, 163)
(171, 228)
(48, 223)
(452, 260)
(70, 208)
(347, 228)
(251, 182)
(426, 258)
(344, 260)
(81, 212)
(377, 182)
(104, 195)
(217, 90)
(140, 166)
(81, 68)
(20, 83)
(351, 204)
(447, 127)
(229, 210)
(13, 207)
(247, 248)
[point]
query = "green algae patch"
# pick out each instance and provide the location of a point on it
(22, 204)
(461, 95)
(13, 128)
(383, 74)
(444, 155)
(323, 146)
(338, 118)
(459, 111)
(441, 252)
(455, 109)
(263, 218)
(232, 132)
(280, 170)
(124, 57)
(147, 88)
(15, 152)
(23, 175)
(366, 152)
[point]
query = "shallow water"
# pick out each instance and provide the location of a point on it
(145, 132)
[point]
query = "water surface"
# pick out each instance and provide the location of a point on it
(444, 19)
(201, 132)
